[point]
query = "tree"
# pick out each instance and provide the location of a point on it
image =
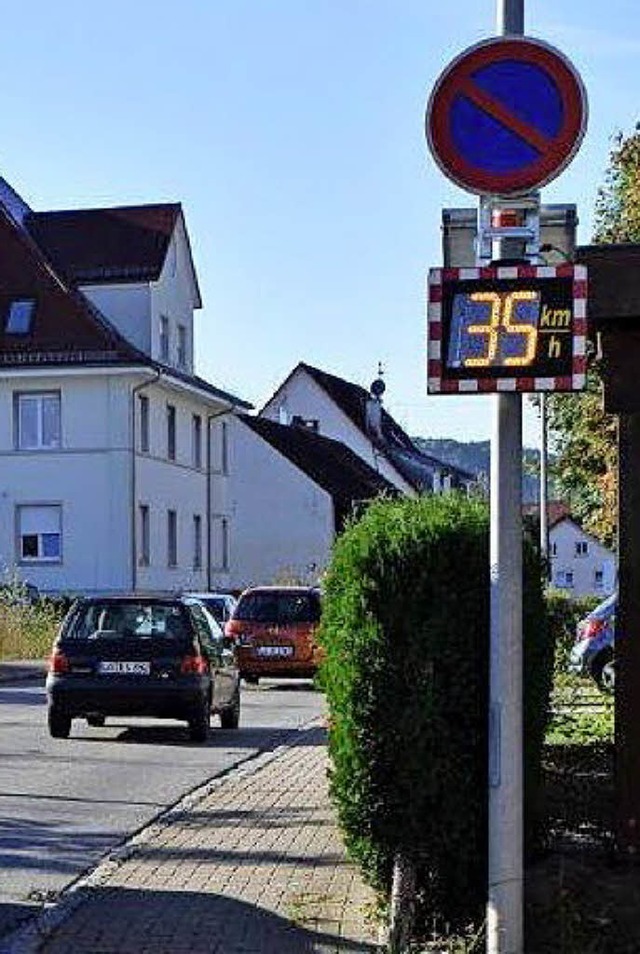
(583, 436)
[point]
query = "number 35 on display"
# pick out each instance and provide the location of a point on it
(494, 329)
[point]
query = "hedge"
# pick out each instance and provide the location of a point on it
(405, 627)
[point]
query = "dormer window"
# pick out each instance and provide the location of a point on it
(20, 316)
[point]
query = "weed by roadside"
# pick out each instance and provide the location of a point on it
(27, 629)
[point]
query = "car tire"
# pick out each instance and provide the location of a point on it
(603, 670)
(230, 717)
(251, 679)
(59, 723)
(96, 721)
(199, 724)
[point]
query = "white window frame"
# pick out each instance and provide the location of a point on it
(220, 524)
(172, 539)
(40, 557)
(38, 397)
(581, 548)
(21, 310)
(196, 441)
(182, 347)
(197, 541)
(144, 423)
(172, 416)
(165, 339)
(144, 558)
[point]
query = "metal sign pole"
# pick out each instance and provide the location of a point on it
(505, 922)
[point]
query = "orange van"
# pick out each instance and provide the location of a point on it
(273, 629)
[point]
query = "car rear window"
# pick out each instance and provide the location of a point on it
(107, 620)
(279, 608)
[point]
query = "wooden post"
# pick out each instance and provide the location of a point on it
(627, 695)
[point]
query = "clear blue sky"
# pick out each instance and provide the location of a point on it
(292, 132)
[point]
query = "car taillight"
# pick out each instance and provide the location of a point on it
(58, 662)
(194, 664)
(593, 627)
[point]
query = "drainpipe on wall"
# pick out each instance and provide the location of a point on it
(134, 393)
(211, 417)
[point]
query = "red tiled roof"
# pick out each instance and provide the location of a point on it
(557, 510)
(106, 245)
(66, 328)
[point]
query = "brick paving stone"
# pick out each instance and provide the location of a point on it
(256, 867)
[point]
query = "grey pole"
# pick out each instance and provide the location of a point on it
(505, 931)
(544, 483)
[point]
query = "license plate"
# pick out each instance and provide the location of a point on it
(108, 667)
(274, 650)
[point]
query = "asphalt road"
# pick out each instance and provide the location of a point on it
(64, 803)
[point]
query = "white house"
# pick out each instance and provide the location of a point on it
(348, 413)
(289, 491)
(106, 447)
(580, 564)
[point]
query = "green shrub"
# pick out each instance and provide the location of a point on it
(405, 626)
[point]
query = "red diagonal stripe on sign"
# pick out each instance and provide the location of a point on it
(505, 117)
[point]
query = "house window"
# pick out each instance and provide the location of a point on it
(164, 339)
(554, 549)
(598, 579)
(37, 420)
(171, 432)
(20, 316)
(582, 548)
(182, 346)
(172, 538)
(39, 533)
(144, 558)
(564, 579)
(196, 438)
(219, 543)
(197, 541)
(144, 423)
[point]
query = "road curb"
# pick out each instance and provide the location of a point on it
(22, 671)
(28, 938)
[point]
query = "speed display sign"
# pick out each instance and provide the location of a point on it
(510, 328)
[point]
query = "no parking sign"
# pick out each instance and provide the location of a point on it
(506, 116)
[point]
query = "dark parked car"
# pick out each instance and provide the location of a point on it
(220, 605)
(159, 656)
(592, 653)
(274, 630)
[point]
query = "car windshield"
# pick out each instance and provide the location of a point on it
(109, 620)
(279, 608)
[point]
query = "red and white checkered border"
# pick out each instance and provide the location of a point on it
(573, 382)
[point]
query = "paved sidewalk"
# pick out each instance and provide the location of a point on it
(255, 866)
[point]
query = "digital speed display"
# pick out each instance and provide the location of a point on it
(517, 328)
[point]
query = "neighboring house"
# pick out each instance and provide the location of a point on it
(348, 413)
(105, 432)
(579, 564)
(290, 491)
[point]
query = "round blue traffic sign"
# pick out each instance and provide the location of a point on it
(506, 116)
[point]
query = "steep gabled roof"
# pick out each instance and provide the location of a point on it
(417, 468)
(330, 464)
(65, 326)
(122, 244)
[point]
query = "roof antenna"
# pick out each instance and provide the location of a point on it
(378, 387)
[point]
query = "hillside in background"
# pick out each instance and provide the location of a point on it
(475, 457)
